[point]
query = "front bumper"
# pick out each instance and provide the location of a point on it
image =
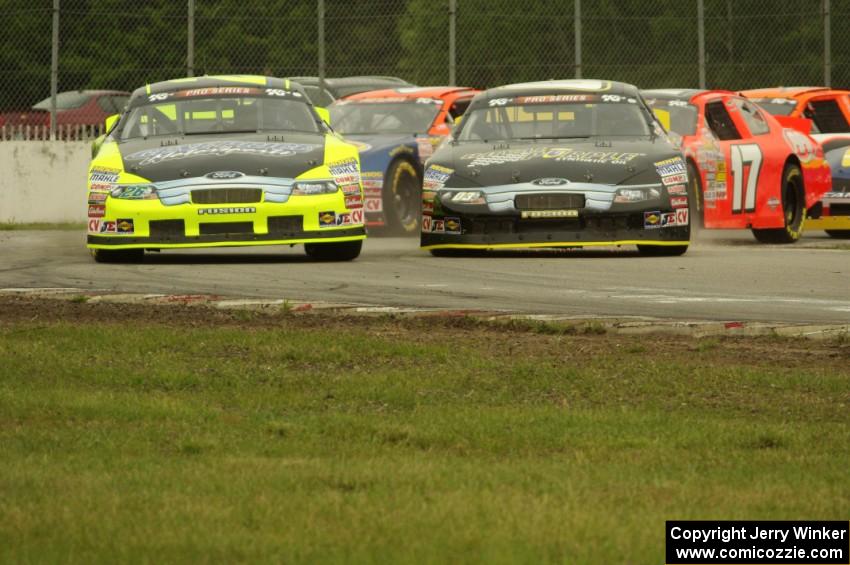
(485, 232)
(518, 216)
(133, 224)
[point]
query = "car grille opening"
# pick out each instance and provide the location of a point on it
(556, 201)
(227, 196)
(226, 228)
(286, 225)
(164, 230)
(839, 209)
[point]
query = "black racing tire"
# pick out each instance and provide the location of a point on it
(402, 198)
(793, 209)
(337, 251)
(838, 234)
(662, 250)
(118, 255)
(696, 201)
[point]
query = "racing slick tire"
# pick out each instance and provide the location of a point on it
(118, 255)
(341, 251)
(662, 250)
(402, 198)
(793, 209)
(838, 234)
(695, 198)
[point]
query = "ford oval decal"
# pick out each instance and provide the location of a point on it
(225, 175)
(550, 182)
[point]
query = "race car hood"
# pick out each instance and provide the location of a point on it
(598, 161)
(163, 159)
(377, 149)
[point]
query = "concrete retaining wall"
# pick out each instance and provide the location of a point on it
(43, 181)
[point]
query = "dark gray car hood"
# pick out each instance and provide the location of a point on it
(583, 160)
(163, 159)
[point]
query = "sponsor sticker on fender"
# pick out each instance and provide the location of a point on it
(124, 226)
(453, 225)
(651, 220)
(682, 217)
(679, 201)
(426, 224)
(674, 179)
(374, 205)
(672, 166)
(327, 219)
(346, 174)
(677, 189)
(97, 211)
(436, 177)
(353, 201)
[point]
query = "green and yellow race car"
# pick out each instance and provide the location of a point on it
(223, 161)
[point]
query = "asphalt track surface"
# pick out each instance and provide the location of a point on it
(725, 275)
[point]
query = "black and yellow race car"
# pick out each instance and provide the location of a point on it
(223, 161)
(570, 163)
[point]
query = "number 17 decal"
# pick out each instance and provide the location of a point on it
(746, 161)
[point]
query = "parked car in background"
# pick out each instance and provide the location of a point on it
(73, 108)
(335, 88)
(397, 130)
(828, 111)
(745, 170)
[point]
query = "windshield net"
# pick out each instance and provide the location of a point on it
(558, 116)
(219, 110)
(384, 115)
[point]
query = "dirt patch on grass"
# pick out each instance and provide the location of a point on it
(559, 341)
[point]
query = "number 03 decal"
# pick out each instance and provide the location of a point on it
(746, 160)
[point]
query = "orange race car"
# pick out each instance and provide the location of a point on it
(827, 112)
(746, 170)
(397, 130)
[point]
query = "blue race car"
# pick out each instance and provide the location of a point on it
(396, 131)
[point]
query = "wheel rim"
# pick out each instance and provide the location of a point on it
(405, 198)
(791, 205)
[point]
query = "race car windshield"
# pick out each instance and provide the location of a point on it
(534, 117)
(368, 117)
(777, 108)
(211, 115)
(675, 115)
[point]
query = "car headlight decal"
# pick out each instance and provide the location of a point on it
(468, 197)
(307, 188)
(134, 192)
(630, 195)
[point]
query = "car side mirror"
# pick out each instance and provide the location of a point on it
(324, 114)
(110, 122)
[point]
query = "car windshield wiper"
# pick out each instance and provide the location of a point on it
(217, 132)
(554, 137)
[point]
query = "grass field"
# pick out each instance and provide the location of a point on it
(148, 435)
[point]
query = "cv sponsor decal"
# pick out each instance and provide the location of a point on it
(220, 149)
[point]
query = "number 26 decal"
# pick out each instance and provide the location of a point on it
(743, 156)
